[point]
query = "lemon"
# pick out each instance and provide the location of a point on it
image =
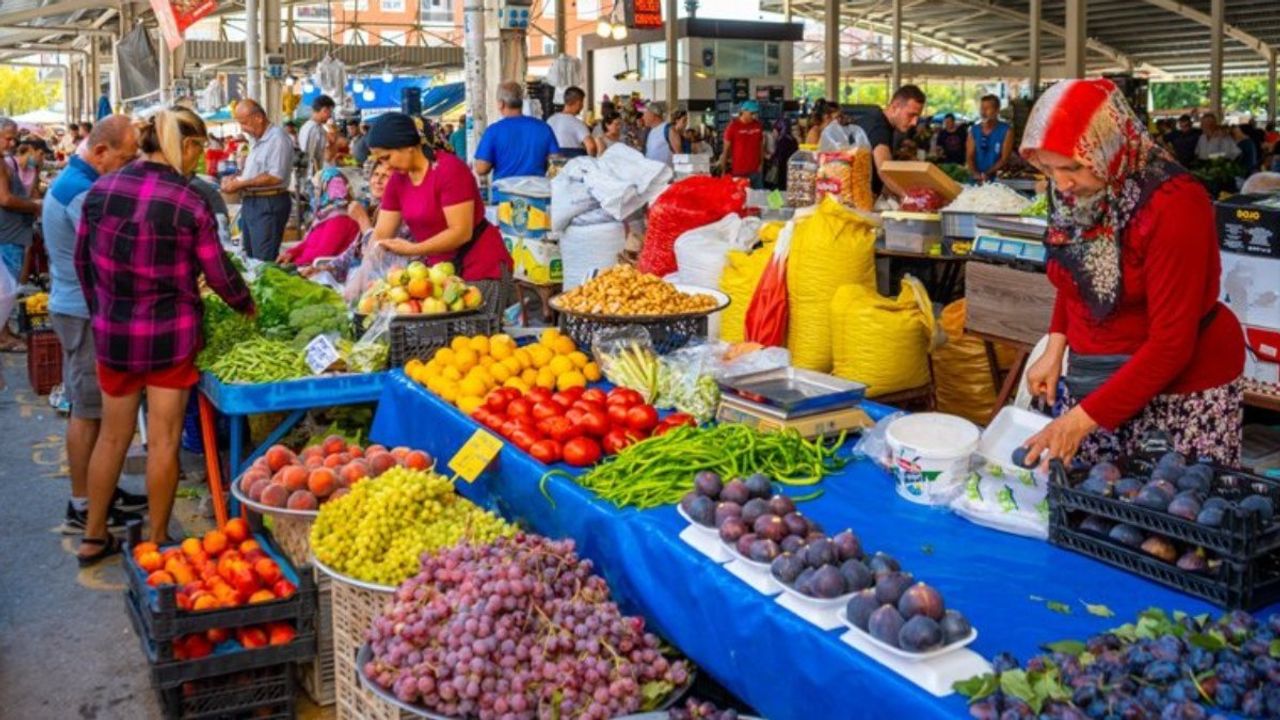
(529, 376)
(579, 359)
(472, 386)
(560, 365)
(563, 345)
(546, 379)
(591, 371)
(469, 404)
(540, 355)
(462, 342)
(571, 379)
(432, 367)
(522, 356)
(481, 374)
(412, 366)
(448, 391)
(434, 384)
(499, 372)
(516, 383)
(444, 356)
(512, 364)
(502, 339)
(451, 374)
(466, 359)
(548, 337)
(480, 344)
(486, 361)
(500, 351)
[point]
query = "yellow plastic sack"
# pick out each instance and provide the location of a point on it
(834, 246)
(742, 271)
(961, 372)
(882, 342)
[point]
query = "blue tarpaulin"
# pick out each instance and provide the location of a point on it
(780, 664)
(386, 96)
(440, 99)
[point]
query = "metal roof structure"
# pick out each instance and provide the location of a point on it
(1163, 38)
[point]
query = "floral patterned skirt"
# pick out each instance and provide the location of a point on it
(1206, 425)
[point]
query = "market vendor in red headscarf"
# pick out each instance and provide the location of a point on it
(1133, 253)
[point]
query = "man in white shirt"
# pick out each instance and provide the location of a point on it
(1215, 141)
(573, 135)
(313, 139)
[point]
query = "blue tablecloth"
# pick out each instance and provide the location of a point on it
(773, 660)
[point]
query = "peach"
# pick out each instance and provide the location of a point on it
(158, 578)
(249, 546)
(333, 445)
(251, 637)
(261, 596)
(279, 633)
(380, 462)
(259, 487)
(284, 589)
(355, 451)
(214, 542)
(144, 547)
(354, 471)
(302, 500)
(292, 478)
(275, 496)
(417, 460)
(399, 452)
(374, 449)
(197, 646)
(183, 600)
(191, 546)
(205, 601)
(279, 456)
(217, 635)
(150, 561)
(321, 482)
(237, 530)
(262, 465)
(313, 452)
(267, 569)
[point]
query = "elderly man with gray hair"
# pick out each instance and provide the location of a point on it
(516, 144)
(264, 182)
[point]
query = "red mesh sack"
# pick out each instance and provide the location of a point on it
(685, 205)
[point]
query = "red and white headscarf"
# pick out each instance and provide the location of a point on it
(1090, 121)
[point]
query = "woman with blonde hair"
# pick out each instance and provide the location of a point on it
(145, 238)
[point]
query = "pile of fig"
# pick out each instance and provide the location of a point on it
(750, 519)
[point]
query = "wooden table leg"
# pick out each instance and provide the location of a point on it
(209, 434)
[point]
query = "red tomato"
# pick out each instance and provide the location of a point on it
(581, 452)
(616, 440)
(574, 393)
(617, 414)
(543, 426)
(497, 401)
(575, 415)
(588, 406)
(523, 440)
(537, 395)
(520, 407)
(545, 409)
(642, 417)
(562, 399)
(494, 422)
(678, 419)
(509, 428)
(595, 395)
(621, 395)
(561, 429)
(545, 451)
(595, 424)
(510, 393)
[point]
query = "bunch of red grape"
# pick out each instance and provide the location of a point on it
(516, 628)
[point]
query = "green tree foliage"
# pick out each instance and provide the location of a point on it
(1242, 94)
(22, 91)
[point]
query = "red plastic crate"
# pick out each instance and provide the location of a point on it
(44, 361)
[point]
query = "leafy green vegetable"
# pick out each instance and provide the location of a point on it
(1039, 208)
(1098, 610)
(977, 687)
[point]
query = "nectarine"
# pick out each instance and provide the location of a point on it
(217, 635)
(205, 601)
(275, 496)
(262, 596)
(158, 578)
(214, 542)
(292, 478)
(191, 546)
(249, 546)
(333, 445)
(284, 589)
(236, 530)
(268, 571)
(281, 633)
(150, 561)
(380, 462)
(321, 482)
(417, 460)
(302, 500)
(278, 456)
(144, 547)
(251, 637)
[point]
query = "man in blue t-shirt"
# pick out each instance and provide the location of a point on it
(516, 144)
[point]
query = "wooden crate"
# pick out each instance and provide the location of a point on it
(353, 612)
(1007, 303)
(293, 537)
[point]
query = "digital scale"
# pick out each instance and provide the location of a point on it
(814, 404)
(1011, 241)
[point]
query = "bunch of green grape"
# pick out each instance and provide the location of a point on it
(378, 532)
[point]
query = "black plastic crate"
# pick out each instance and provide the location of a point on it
(416, 337)
(267, 692)
(1241, 537)
(167, 672)
(666, 334)
(165, 621)
(1243, 586)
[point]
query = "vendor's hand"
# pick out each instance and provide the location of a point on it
(1060, 439)
(229, 185)
(1043, 375)
(399, 247)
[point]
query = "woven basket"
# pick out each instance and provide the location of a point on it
(353, 611)
(293, 537)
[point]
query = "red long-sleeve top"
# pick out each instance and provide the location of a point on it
(1170, 274)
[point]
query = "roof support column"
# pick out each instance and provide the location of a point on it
(271, 27)
(1077, 39)
(1033, 48)
(895, 66)
(166, 60)
(831, 39)
(673, 57)
(92, 86)
(1217, 13)
(786, 11)
(252, 51)
(473, 61)
(1271, 87)
(561, 27)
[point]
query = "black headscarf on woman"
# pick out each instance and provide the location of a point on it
(392, 131)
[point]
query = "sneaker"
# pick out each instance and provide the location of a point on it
(58, 400)
(75, 520)
(129, 502)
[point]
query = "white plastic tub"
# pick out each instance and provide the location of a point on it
(929, 455)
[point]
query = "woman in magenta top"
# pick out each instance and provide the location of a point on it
(1133, 253)
(436, 196)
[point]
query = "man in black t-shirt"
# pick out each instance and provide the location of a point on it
(1183, 141)
(901, 115)
(949, 142)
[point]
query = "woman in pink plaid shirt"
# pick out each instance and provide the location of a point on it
(145, 238)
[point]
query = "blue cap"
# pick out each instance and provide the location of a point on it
(750, 106)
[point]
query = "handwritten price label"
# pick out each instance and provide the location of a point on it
(321, 354)
(474, 456)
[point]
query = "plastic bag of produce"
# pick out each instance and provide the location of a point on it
(687, 382)
(741, 275)
(627, 359)
(585, 249)
(846, 176)
(834, 246)
(370, 352)
(961, 373)
(690, 203)
(701, 253)
(882, 342)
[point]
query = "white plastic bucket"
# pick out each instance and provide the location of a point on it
(929, 455)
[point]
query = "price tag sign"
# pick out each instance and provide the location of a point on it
(473, 457)
(321, 354)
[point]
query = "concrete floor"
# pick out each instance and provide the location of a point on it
(67, 650)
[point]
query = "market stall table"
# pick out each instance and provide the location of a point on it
(772, 659)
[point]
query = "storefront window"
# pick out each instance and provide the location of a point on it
(747, 58)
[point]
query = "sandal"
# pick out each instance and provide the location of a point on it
(13, 347)
(110, 546)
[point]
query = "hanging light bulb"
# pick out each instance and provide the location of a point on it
(619, 32)
(368, 95)
(604, 28)
(387, 77)
(357, 85)
(288, 82)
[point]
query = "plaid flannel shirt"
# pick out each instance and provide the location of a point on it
(144, 239)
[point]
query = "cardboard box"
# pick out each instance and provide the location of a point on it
(1249, 235)
(523, 215)
(537, 259)
(1262, 354)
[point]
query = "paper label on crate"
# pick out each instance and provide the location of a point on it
(473, 457)
(321, 354)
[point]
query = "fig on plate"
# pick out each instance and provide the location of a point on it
(707, 483)
(885, 625)
(820, 552)
(955, 627)
(702, 510)
(882, 564)
(754, 509)
(796, 524)
(781, 505)
(890, 587)
(847, 544)
(860, 607)
(736, 492)
(759, 486)
(770, 527)
(920, 599)
(763, 550)
(920, 634)
(786, 568)
(792, 544)
(726, 510)
(743, 546)
(828, 583)
(732, 529)
(856, 575)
